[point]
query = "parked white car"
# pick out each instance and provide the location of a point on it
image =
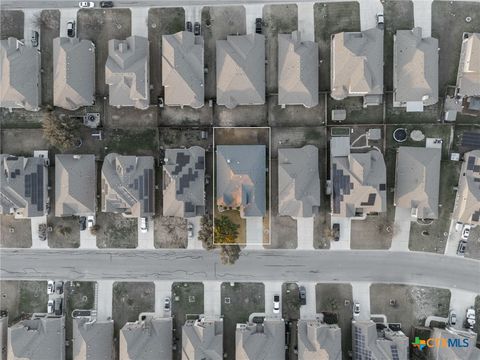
(276, 304)
(143, 224)
(51, 306)
(90, 221)
(190, 230)
(356, 309)
(50, 287)
(466, 232)
(86, 4)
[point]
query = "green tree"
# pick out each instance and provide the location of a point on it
(60, 132)
(205, 235)
(229, 254)
(226, 231)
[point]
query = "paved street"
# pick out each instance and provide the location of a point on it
(416, 268)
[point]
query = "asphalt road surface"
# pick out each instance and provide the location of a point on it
(281, 265)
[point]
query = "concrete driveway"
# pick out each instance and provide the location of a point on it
(163, 289)
(67, 15)
(36, 242)
(345, 233)
(305, 233)
(212, 299)
(87, 240)
(146, 240)
(422, 16)
(254, 232)
(103, 300)
(306, 25)
(368, 13)
(140, 21)
(361, 294)
(309, 310)
(401, 229)
(453, 240)
(272, 288)
(193, 13)
(193, 242)
(252, 11)
(460, 301)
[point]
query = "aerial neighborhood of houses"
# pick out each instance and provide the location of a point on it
(240, 181)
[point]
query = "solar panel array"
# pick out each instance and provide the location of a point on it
(360, 351)
(341, 186)
(34, 187)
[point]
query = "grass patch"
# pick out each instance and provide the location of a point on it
(128, 142)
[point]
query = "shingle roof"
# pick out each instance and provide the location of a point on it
(415, 68)
(318, 341)
(298, 181)
(184, 182)
(146, 340)
(297, 71)
(241, 70)
(260, 341)
(357, 64)
(183, 69)
(37, 339)
(385, 345)
(202, 339)
(75, 185)
(128, 184)
(20, 75)
(74, 73)
(241, 178)
(417, 180)
(467, 206)
(92, 339)
(468, 77)
(23, 186)
(127, 72)
(358, 183)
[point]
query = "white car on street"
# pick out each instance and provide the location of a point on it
(86, 4)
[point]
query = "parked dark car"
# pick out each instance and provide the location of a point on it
(336, 231)
(59, 287)
(106, 4)
(302, 294)
(71, 29)
(462, 245)
(258, 25)
(83, 223)
(58, 306)
(196, 29)
(34, 38)
(189, 26)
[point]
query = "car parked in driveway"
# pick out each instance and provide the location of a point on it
(197, 29)
(34, 38)
(71, 28)
(452, 318)
(58, 306)
(50, 287)
(356, 309)
(380, 21)
(166, 303)
(190, 230)
(90, 221)
(466, 232)
(143, 225)
(258, 25)
(276, 304)
(59, 287)
(189, 26)
(86, 4)
(302, 294)
(51, 306)
(462, 245)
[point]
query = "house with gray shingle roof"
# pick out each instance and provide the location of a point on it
(92, 339)
(467, 352)
(20, 75)
(415, 70)
(241, 178)
(183, 69)
(417, 180)
(264, 341)
(127, 72)
(318, 341)
(37, 339)
(73, 73)
(357, 66)
(75, 185)
(23, 186)
(298, 182)
(368, 342)
(149, 339)
(128, 184)
(358, 180)
(468, 76)
(202, 339)
(241, 70)
(467, 205)
(297, 71)
(184, 182)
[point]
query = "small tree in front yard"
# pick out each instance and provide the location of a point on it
(205, 235)
(60, 132)
(226, 231)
